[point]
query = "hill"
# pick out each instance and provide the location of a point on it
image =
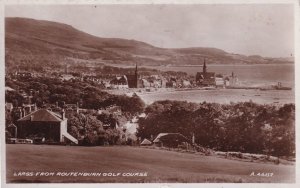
(51, 41)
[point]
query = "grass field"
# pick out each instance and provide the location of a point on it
(160, 165)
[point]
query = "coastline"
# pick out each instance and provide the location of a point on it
(219, 95)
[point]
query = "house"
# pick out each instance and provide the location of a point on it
(145, 83)
(25, 75)
(119, 82)
(169, 139)
(231, 80)
(9, 107)
(186, 83)
(9, 88)
(29, 108)
(24, 110)
(171, 83)
(146, 142)
(220, 82)
(92, 79)
(66, 77)
(71, 107)
(46, 124)
(12, 130)
(205, 78)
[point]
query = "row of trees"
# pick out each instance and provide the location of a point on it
(244, 127)
(50, 90)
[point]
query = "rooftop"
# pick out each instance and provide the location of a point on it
(42, 115)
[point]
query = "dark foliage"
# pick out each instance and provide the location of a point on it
(244, 127)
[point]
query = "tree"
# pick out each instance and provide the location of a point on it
(226, 127)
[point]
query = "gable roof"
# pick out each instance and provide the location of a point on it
(207, 75)
(42, 115)
(146, 142)
(9, 88)
(120, 80)
(11, 125)
(157, 139)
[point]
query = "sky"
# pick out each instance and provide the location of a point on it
(252, 29)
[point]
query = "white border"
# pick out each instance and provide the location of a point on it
(162, 185)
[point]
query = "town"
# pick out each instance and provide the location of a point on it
(78, 108)
(26, 109)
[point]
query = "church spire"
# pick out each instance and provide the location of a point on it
(136, 76)
(136, 67)
(136, 70)
(204, 66)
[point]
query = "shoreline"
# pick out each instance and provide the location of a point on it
(219, 95)
(190, 65)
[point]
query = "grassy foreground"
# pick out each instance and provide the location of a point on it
(160, 166)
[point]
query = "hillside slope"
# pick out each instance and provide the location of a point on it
(26, 38)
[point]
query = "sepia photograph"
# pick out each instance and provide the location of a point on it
(149, 93)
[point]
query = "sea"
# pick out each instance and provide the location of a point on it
(253, 75)
(248, 75)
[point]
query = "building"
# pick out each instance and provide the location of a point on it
(220, 82)
(29, 108)
(66, 77)
(119, 82)
(46, 124)
(25, 75)
(146, 142)
(71, 107)
(205, 78)
(133, 80)
(169, 139)
(8, 89)
(145, 83)
(231, 80)
(186, 83)
(172, 83)
(12, 129)
(9, 107)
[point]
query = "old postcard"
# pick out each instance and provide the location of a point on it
(157, 93)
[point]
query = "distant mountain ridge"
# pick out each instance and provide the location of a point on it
(29, 37)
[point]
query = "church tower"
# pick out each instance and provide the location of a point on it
(136, 75)
(204, 67)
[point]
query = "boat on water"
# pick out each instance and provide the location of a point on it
(209, 88)
(283, 88)
(276, 87)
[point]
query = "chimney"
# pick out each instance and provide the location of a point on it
(204, 67)
(20, 113)
(63, 114)
(23, 112)
(193, 138)
(35, 107)
(31, 117)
